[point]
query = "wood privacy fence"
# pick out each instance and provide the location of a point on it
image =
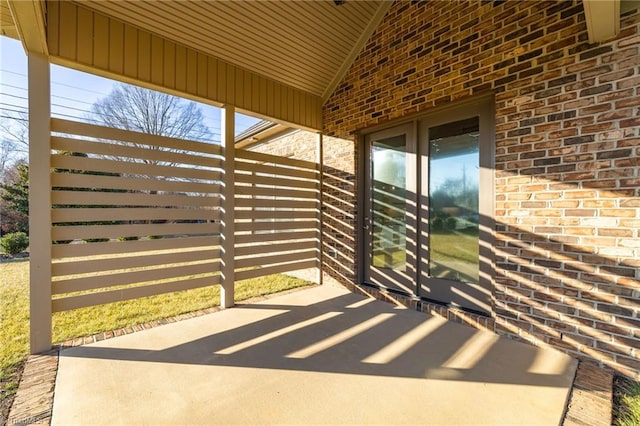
(277, 217)
(148, 212)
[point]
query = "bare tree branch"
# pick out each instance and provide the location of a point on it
(141, 110)
(14, 140)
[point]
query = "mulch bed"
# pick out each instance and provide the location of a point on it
(23, 255)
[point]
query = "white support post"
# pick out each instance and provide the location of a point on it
(228, 229)
(39, 203)
(319, 160)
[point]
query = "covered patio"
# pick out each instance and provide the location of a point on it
(321, 355)
(556, 248)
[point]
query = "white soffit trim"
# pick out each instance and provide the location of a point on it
(603, 19)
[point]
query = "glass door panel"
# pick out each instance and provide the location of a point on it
(454, 163)
(390, 220)
(389, 210)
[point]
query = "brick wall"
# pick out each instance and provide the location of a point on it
(567, 239)
(299, 145)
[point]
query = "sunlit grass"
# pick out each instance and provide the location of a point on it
(14, 322)
(454, 246)
(14, 312)
(628, 407)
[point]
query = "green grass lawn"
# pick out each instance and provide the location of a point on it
(627, 399)
(446, 246)
(14, 313)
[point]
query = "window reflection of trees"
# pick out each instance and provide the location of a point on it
(453, 207)
(389, 203)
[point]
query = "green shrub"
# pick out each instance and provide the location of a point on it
(437, 224)
(14, 243)
(62, 241)
(95, 240)
(451, 222)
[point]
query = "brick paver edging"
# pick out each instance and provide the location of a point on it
(590, 403)
(33, 403)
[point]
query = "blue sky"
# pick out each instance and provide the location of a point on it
(72, 92)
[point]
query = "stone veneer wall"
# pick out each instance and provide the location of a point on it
(567, 236)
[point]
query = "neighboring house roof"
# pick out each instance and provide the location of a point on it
(260, 132)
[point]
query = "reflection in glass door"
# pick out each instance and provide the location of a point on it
(391, 214)
(454, 166)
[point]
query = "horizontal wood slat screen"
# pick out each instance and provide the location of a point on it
(133, 214)
(277, 218)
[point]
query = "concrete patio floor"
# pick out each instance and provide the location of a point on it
(321, 355)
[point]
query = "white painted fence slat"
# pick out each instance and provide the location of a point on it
(259, 249)
(93, 198)
(61, 251)
(101, 132)
(278, 258)
(76, 180)
(139, 261)
(243, 166)
(83, 164)
(119, 151)
(80, 214)
(115, 231)
(281, 225)
(132, 277)
(268, 158)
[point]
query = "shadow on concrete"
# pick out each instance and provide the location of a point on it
(327, 330)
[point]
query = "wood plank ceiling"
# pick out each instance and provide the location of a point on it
(307, 45)
(7, 26)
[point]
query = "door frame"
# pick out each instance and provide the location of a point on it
(480, 292)
(486, 105)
